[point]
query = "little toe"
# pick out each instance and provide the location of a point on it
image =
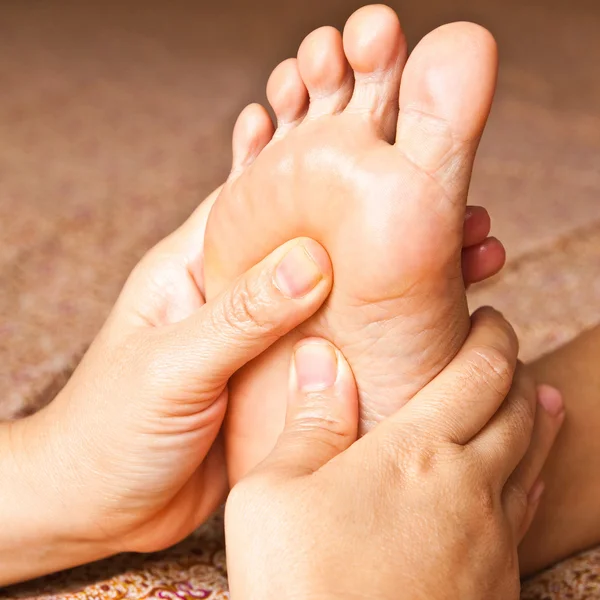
(252, 132)
(325, 71)
(445, 98)
(287, 95)
(376, 50)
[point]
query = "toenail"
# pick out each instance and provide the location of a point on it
(298, 273)
(316, 366)
(550, 399)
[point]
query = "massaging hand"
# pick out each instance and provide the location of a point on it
(127, 457)
(431, 504)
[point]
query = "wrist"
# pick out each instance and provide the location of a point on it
(37, 536)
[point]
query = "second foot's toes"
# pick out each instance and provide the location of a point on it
(477, 225)
(325, 71)
(287, 94)
(482, 261)
(252, 132)
(445, 98)
(376, 50)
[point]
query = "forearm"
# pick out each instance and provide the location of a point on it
(35, 538)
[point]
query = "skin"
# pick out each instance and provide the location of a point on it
(569, 516)
(53, 459)
(302, 512)
(127, 458)
(160, 317)
(145, 406)
(378, 173)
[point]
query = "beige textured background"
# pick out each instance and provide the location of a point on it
(115, 120)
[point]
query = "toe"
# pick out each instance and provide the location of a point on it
(252, 132)
(445, 98)
(476, 227)
(287, 95)
(376, 50)
(325, 71)
(482, 261)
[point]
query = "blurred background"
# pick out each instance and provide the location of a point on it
(115, 122)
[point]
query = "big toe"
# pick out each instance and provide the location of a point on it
(445, 98)
(376, 50)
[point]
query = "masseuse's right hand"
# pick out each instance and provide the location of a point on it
(128, 456)
(429, 505)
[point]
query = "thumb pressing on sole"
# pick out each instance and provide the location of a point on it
(322, 410)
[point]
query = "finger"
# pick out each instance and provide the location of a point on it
(476, 227)
(531, 505)
(549, 418)
(322, 412)
(260, 307)
(503, 442)
(175, 262)
(482, 261)
(461, 400)
(189, 236)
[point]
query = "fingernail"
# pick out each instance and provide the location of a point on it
(316, 366)
(550, 399)
(298, 273)
(536, 492)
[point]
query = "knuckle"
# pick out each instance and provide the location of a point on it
(493, 368)
(489, 320)
(323, 441)
(325, 426)
(247, 310)
(485, 496)
(486, 501)
(409, 457)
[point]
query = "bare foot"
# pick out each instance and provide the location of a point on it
(384, 190)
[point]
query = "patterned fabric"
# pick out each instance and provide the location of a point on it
(115, 122)
(574, 579)
(196, 570)
(193, 570)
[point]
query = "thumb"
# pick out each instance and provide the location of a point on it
(200, 354)
(322, 412)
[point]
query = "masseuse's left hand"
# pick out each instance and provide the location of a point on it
(431, 504)
(127, 457)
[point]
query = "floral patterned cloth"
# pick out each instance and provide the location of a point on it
(196, 570)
